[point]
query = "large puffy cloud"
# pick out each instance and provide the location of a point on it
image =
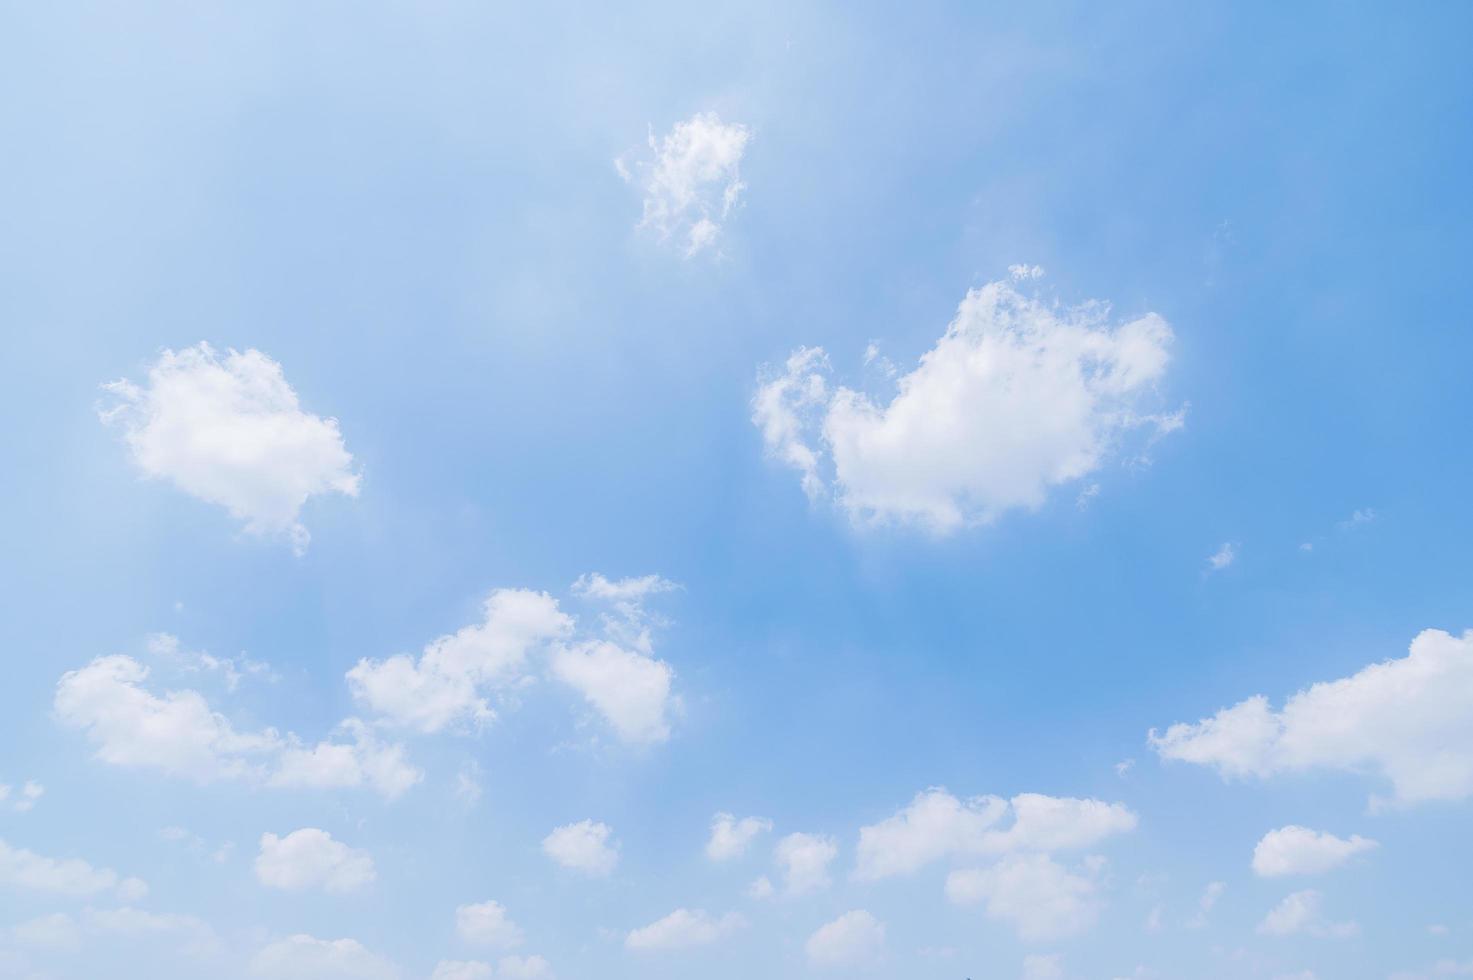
(311, 858)
(1040, 898)
(303, 957)
(487, 924)
(852, 939)
(692, 181)
(937, 825)
(180, 734)
(804, 860)
(445, 684)
(1017, 397)
(585, 846)
(1300, 913)
(730, 837)
(1408, 720)
(62, 876)
(230, 431)
(1295, 850)
(682, 929)
(612, 665)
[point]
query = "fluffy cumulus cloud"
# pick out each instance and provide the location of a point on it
(854, 938)
(230, 430)
(730, 837)
(1040, 898)
(1017, 397)
(487, 924)
(1301, 914)
(1408, 720)
(445, 685)
(586, 847)
(612, 665)
(311, 858)
(73, 877)
(1297, 850)
(804, 861)
(682, 929)
(179, 733)
(691, 180)
(937, 825)
(303, 957)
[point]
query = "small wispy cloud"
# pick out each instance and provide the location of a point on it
(1222, 557)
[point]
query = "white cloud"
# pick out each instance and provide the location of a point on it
(62, 930)
(63, 876)
(1408, 720)
(682, 929)
(1297, 850)
(1207, 903)
(937, 825)
(57, 931)
(445, 685)
(487, 924)
(461, 970)
(24, 800)
(1039, 898)
(180, 734)
(804, 860)
(854, 938)
(1016, 398)
(1300, 913)
(1023, 272)
(584, 846)
(302, 957)
(693, 181)
(1222, 557)
(166, 647)
(310, 858)
(630, 690)
(365, 761)
(1043, 966)
(761, 889)
(229, 430)
(730, 837)
(612, 667)
(524, 968)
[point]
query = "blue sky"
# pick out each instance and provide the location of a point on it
(1102, 294)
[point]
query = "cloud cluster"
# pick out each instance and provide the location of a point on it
(692, 181)
(311, 858)
(1295, 850)
(731, 837)
(178, 733)
(1409, 720)
(854, 938)
(1301, 914)
(803, 860)
(586, 847)
(683, 929)
(1017, 397)
(304, 957)
(937, 825)
(230, 430)
(487, 924)
(451, 682)
(74, 877)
